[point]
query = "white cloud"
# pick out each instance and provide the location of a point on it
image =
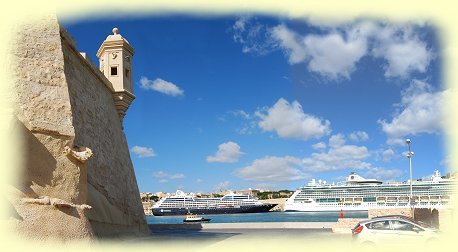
(402, 49)
(359, 136)
(383, 174)
(291, 43)
(247, 128)
(336, 141)
(177, 176)
(165, 177)
(336, 50)
(248, 124)
(160, 174)
(330, 55)
(338, 157)
(271, 168)
(161, 86)
(333, 56)
(420, 111)
(227, 153)
(252, 35)
(240, 113)
(290, 121)
(387, 155)
(143, 151)
(319, 146)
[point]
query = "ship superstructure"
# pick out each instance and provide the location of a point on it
(182, 203)
(359, 194)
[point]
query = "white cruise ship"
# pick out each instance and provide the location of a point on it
(182, 204)
(359, 194)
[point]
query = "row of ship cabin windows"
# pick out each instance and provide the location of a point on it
(375, 193)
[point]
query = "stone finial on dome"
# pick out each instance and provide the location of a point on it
(115, 30)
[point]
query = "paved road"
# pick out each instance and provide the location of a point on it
(244, 239)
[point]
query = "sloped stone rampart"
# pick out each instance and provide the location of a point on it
(65, 108)
(110, 172)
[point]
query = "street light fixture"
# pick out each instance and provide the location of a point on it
(409, 155)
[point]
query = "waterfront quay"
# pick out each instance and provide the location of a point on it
(244, 226)
(243, 236)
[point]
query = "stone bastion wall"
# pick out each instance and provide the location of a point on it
(77, 179)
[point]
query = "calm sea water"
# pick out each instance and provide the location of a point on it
(260, 217)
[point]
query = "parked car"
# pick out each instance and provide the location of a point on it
(395, 231)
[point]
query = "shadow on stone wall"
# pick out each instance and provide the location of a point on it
(39, 164)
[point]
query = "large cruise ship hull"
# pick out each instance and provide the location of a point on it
(220, 210)
(359, 194)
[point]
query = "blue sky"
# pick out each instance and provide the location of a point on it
(237, 102)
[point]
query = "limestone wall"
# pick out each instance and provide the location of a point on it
(63, 106)
(97, 125)
(44, 120)
(379, 212)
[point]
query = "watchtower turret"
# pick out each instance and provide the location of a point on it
(115, 59)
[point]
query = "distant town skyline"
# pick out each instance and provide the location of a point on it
(264, 102)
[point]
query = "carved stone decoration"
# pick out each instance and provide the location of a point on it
(82, 154)
(114, 55)
(122, 101)
(55, 202)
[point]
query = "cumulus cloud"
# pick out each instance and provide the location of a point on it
(339, 156)
(402, 49)
(383, 174)
(330, 55)
(387, 155)
(335, 51)
(291, 43)
(359, 136)
(271, 168)
(161, 86)
(319, 146)
(333, 156)
(143, 151)
(336, 141)
(164, 177)
(420, 111)
(290, 121)
(227, 153)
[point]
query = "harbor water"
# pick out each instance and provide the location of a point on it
(262, 217)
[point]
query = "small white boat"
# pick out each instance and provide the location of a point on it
(195, 218)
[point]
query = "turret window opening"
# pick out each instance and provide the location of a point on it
(114, 71)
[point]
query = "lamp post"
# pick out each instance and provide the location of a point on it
(409, 155)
